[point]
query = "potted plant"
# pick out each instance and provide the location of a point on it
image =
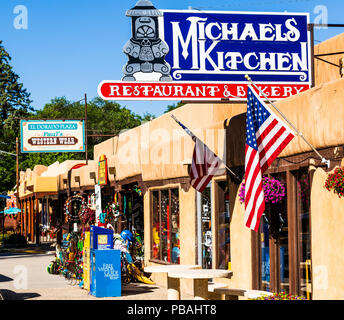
(335, 182)
(274, 190)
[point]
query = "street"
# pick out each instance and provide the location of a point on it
(24, 276)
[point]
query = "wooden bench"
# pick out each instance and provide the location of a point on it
(234, 293)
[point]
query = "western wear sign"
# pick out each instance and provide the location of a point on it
(52, 136)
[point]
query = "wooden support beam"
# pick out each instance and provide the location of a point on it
(37, 220)
(25, 219)
(32, 221)
(21, 216)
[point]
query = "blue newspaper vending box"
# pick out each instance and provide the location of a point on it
(105, 273)
(101, 238)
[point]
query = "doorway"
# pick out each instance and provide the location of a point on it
(283, 242)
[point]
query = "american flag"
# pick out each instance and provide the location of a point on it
(204, 162)
(266, 137)
(204, 165)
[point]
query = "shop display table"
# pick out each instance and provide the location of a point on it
(200, 279)
(173, 284)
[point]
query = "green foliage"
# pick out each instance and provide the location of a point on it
(173, 106)
(280, 296)
(14, 103)
(15, 239)
(103, 118)
(3, 238)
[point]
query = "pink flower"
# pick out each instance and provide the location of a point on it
(274, 190)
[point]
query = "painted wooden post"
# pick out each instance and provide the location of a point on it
(28, 219)
(36, 221)
(21, 216)
(31, 221)
(25, 219)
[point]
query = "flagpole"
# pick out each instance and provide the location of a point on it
(192, 135)
(299, 133)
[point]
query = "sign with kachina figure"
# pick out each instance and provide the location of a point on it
(194, 55)
(52, 136)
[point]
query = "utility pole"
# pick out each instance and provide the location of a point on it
(86, 150)
(17, 183)
(17, 163)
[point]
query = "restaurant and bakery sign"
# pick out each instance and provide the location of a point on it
(193, 55)
(52, 136)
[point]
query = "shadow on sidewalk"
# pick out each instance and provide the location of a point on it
(137, 288)
(4, 278)
(11, 295)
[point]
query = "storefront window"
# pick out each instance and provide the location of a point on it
(165, 229)
(175, 226)
(223, 223)
(156, 226)
(206, 228)
(274, 244)
(265, 253)
(303, 201)
(287, 221)
(164, 226)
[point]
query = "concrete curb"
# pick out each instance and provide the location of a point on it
(31, 251)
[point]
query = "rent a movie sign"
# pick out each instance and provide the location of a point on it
(207, 55)
(52, 136)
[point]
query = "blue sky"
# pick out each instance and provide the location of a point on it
(70, 46)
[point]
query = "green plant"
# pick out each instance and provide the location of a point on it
(15, 238)
(3, 238)
(280, 296)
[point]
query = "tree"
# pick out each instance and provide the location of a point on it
(174, 106)
(105, 119)
(14, 104)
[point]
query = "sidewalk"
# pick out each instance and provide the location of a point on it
(46, 247)
(132, 291)
(44, 286)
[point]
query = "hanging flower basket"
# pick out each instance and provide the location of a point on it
(274, 190)
(335, 182)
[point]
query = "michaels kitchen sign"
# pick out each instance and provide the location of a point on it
(205, 55)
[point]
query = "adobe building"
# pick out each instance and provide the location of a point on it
(299, 244)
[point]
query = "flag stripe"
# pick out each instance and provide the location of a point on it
(277, 148)
(259, 206)
(251, 180)
(267, 147)
(252, 196)
(204, 166)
